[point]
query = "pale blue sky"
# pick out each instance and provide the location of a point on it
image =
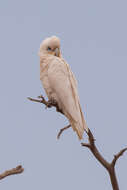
(94, 42)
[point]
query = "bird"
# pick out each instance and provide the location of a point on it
(60, 84)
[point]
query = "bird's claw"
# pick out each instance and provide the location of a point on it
(41, 97)
(51, 103)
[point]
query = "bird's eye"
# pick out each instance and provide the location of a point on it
(49, 49)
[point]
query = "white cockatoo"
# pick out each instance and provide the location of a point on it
(60, 84)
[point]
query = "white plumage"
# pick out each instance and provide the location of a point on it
(60, 84)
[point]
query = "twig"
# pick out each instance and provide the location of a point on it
(61, 131)
(40, 99)
(116, 157)
(48, 103)
(13, 171)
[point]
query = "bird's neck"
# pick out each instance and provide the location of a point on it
(44, 58)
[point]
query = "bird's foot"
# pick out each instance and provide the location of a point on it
(42, 100)
(51, 102)
(59, 110)
(41, 97)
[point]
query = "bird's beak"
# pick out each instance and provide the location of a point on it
(57, 52)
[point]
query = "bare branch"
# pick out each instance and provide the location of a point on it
(13, 171)
(40, 100)
(86, 145)
(48, 103)
(61, 131)
(110, 167)
(91, 138)
(116, 157)
(91, 145)
(34, 100)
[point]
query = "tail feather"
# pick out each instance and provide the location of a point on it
(83, 120)
(80, 125)
(79, 129)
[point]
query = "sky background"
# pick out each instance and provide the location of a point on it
(94, 42)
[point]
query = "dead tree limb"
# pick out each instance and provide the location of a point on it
(61, 131)
(110, 167)
(48, 104)
(117, 156)
(13, 171)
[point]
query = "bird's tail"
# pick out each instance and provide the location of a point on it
(80, 125)
(78, 128)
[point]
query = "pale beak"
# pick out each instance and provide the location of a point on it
(57, 52)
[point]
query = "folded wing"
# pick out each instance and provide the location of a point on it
(63, 84)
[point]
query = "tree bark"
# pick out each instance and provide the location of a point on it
(113, 178)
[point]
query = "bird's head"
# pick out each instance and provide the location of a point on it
(50, 46)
